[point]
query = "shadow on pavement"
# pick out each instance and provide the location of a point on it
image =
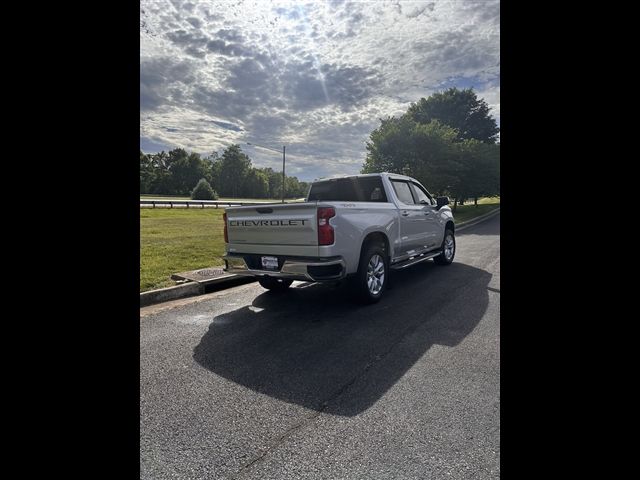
(308, 345)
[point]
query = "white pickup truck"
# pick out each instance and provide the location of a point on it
(357, 227)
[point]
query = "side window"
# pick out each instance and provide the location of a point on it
(403, 191)
(422, 195)
(377, 195)
(370, 189)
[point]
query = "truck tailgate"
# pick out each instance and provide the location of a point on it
(274, 224)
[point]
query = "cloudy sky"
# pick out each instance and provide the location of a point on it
(314, 76)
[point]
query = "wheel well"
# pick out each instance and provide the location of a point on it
(450, 226)
(376, 237)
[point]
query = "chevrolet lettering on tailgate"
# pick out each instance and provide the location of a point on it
(265, 223)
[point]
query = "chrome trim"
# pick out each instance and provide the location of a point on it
(292, 269)
(417, 259)
(234, 264)
(408, 256)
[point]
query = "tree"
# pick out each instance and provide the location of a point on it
(186, 169)
(291, 187)
(161, 182)
(275, 182)
(146, 173)
(231, 174)
(389, 148)
(460, 109)
(256, 184)
(303, 189)
(233, 170)
(482, 169)
(423, 151)
(203, 191)
(215, 167)
(435, 142)
(477, 171)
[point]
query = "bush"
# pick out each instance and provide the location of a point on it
(203, 191)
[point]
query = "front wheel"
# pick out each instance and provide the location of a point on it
(448, 249)
(275, 284)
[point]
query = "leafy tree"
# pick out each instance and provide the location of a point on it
(256, 184)
(303, 189)
(233, 170)
(481, 169)
(162, 182)
(275, 182)
(389, 148)
(186, 169)
(203, 191)
(460, 109)
(425, 152)
(476, 172)
(146, 173)
(446, 141)
(215, 166)
(231, 174)
(292, 187)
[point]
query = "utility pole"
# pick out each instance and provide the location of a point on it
(283, 176)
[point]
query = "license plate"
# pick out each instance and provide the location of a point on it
(270, 263)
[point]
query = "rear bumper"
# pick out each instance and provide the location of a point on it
(294, 268)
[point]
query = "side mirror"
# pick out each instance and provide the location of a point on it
(442, 201)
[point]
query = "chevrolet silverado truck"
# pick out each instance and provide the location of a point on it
(356, 227)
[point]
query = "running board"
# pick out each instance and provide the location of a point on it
(413, 260)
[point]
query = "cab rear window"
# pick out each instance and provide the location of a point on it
(351, 189)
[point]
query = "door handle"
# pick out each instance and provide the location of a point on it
(426, 213)
(405, 214)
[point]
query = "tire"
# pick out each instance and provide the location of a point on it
(275, 284)
(448, 249)
(373, 274)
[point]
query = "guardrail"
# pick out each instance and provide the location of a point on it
(200, 203)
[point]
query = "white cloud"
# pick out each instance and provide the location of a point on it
(315, 76)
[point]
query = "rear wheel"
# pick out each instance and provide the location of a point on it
(373, 273)
(448, 249)
(275, 284)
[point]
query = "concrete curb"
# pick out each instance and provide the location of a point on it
(191, 289)
(171, 293)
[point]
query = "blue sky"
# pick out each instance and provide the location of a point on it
(314, 76)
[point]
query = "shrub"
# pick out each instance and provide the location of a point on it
(203, 191)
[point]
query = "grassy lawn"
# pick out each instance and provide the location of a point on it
(162, 197)
(173, 241)
(222, 199)
(468, 211)
(177, 240)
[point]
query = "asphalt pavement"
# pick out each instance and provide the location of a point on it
(247, 383)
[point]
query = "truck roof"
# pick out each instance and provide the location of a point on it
(382, 174)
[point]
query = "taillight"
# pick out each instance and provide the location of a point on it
(226, 234)
(325, 230)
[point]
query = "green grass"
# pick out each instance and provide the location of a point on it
(469, 210)
(163, 197)
(223, 199)
(177, 240)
